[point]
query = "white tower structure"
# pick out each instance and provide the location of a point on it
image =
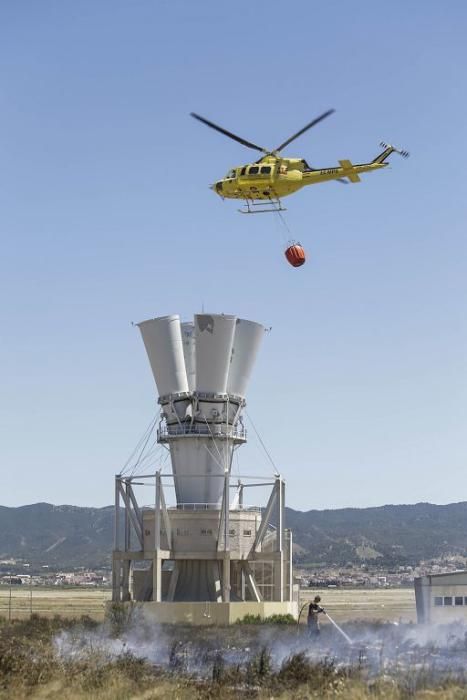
(209, 547)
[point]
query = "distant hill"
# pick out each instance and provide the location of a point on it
(390, 535)
(71, 536)
(61, 536)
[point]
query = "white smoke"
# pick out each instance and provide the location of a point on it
(379, 649)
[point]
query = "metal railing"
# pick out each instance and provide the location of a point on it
(233, 432)
(213, 506)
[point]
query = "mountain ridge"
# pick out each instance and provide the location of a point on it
(71, 536)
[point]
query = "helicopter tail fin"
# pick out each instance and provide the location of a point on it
(349, 171)
(388, 149)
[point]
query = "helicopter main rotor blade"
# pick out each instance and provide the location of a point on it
(305, 128)
(244, 142)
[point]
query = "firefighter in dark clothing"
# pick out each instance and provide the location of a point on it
(314, 609)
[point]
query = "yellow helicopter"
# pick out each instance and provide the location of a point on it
(272, 176)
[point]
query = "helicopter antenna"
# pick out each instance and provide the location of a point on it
(305, 128)
(239, 139)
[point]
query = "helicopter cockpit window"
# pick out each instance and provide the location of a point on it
(230, 174)
(254, 170)
(265, 170)
(243, 171)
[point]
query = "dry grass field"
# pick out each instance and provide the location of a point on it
(54, 656)
(59, 659)
(343, 604)
(67, 602)
(385, 604)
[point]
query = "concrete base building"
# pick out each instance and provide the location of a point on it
(205, 565)
(441, 598)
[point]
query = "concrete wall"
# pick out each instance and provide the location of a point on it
(198, 531)
(213, 613)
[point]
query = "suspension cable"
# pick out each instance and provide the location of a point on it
(261, 442)
(139, 443)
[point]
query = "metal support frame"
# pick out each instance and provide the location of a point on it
(157, 561)
(116, 564)
(226, 562)
(131, 516)
(266, 517)
(166, 519)
(251, 583)
(173, 583)
(279, 568)
(270, 537)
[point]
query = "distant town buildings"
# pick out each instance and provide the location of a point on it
(12, 574)
(22, 573)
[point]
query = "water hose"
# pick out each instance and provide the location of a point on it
(346, 636)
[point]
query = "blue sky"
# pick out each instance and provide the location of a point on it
(360, 390)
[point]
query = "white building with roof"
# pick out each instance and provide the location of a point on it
(441, 598)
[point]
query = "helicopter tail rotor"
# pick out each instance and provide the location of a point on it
(388, 149)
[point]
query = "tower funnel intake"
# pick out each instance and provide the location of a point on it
(162, 339)
(201, 371)
(247, 339)
(214, 341)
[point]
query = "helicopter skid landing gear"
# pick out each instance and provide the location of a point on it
(272, 205)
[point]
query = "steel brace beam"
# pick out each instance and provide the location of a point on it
(134, 517)
(266, 517)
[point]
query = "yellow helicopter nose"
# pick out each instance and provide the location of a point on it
(217, 187)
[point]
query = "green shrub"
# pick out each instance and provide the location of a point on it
(287, 619)
(120, 616)
(251, 619)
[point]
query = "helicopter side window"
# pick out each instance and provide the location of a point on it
(265, 170)
(254, 170)
(243, 171)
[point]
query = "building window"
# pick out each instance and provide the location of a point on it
(205, 531)
(181, 532)
(231, 532)
(458, 600)
(465, 600)
(247, 533)
(447, 600)
(438, 601)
